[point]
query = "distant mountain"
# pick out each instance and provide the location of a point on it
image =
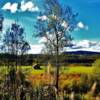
(81, 52)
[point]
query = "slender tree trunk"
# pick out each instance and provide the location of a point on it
(16, 62)
(57, 72)
(57, 65)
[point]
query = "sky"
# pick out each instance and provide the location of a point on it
(25, 12)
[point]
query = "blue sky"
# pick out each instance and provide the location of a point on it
(89, 17)
(88, 14)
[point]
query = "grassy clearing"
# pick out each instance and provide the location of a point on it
(77, 70)
(31, 70)
(63, 70)
(38, 77)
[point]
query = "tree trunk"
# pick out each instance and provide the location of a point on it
(57, 66)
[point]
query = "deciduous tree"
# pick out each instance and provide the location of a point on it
(54, 25)
(14, 42)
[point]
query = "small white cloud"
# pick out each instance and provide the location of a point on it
(36, 49)
(81, 25)
(23, 7)
(7, 6)
(84, 43)
(43, 18)
(14, 8)
(28, 6)
(35, 9)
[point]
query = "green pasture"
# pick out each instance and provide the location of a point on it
(77, 70)
(65, 70)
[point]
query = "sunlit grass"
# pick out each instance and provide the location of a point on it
(63, 70)
(77, 70)
(31, 70)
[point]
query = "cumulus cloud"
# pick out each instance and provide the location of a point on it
(24, 6)
(28, 6)
(84, 45)
(81, 25)
(7, 6)
(36, 49)
(11, 7)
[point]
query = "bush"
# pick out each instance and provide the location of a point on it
(96, 69)
(47, 92)
(78, 97)
(74, 86)
(84, 85)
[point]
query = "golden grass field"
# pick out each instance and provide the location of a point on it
(39, 77)
(67, 75)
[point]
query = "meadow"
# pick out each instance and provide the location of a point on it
(70, 77)
(66, 70)
(63, 69)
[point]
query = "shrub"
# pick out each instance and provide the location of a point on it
(47, 92)
(96, 69)
(74, 86)
(84, 87)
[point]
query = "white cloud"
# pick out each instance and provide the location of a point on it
(28, 6)
(35, 9)
(43, 18)
(43, 40)
(7, 6)
(84, 45)
(11, 7)
(81, 25)
(24, 6)
(36, 49)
